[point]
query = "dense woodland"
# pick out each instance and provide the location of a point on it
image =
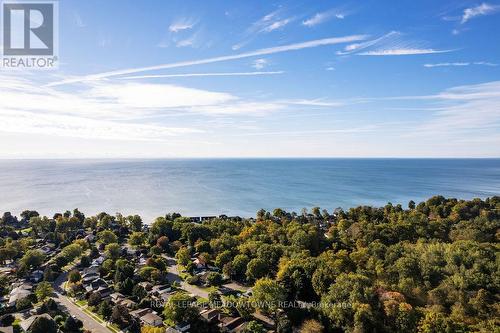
(430, 267)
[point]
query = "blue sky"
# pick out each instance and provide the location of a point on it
(262, 79)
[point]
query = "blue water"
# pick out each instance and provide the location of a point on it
(236, 186)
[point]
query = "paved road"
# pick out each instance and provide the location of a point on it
(173, 276)
(88, 322)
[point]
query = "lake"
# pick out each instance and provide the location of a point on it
(196, 187)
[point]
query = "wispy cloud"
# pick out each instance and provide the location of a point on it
(277, 25)
(402, 51)
(466, 108)
(390, 44)
(99, 111)
(313, 102)
(460, 64)
(182, 24)
(322, 17)
(256, 53)
(259, 63)
(191, 41)
(480, 10)
(201, 75)
(275, 20)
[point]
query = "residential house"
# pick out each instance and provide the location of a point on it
(139, 313)
(210, 315)
(26, 324)
(264, 320)
(229, 324)
(151, 319)
(183, 327)
(199, 263)
(98, 261)
(36, 276)
(146, 285)
(104, 291)
(128, 303)
(172, 330)
(115, 298)
(18, 293)
(92, 269)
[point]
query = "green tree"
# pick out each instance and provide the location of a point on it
(74, 276)
(254, 327)
(183, 256)
(107, 237)
(256, 269)
(113, 251)
(223, 258)
(137, 238)
(179, 308)
(214, 279)
(43, 325)
(135, 223)
(239, 265)
(311, 326)
(32, 259)
(268, 295)
(43, 290)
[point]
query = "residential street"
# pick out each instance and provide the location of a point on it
(173, 275)
(88, 322)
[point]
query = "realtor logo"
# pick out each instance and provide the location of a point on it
(29, 34)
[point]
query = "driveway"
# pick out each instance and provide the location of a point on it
(173, 276)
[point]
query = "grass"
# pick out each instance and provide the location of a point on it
(97, 317)
(16, 325)
(81, 303)
(183, 276)
(94, 315)
(209, 289)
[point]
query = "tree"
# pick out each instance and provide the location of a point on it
(162, 227)
(85, 261)
(256, 269)
(214, 279)
(162, 242)
(268, 295)
(223, 258)
(6, 320)
(311, 326)
(183, 256)
(105, 309)
(179, 308)
(120, 315)
(43, 290)
(107, 237)
(113, 251)
(411, 204)
(203, 246)
(43, 324)
(74, 276)
(254, 327)
(135, 223)
(356, 290)
(32, 259)
(72, 325)
(94, 299)
(137, 238)
(239, 265)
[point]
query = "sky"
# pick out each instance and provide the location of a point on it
(168, 79)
